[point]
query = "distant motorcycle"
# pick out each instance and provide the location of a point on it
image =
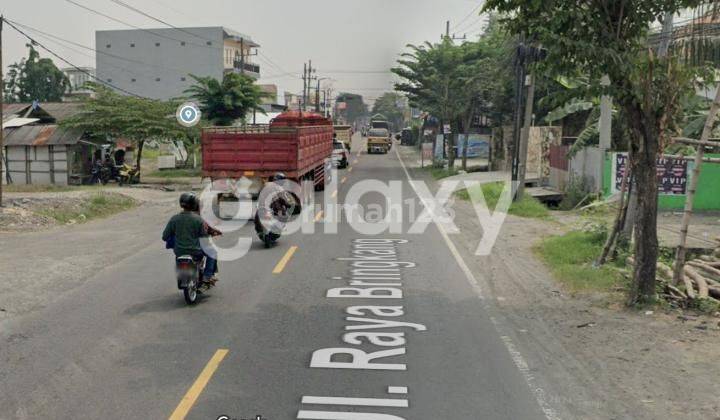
(268, 227)
(127, 174)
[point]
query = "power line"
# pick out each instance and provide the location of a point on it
(81, 70)
(472, 24)
(51, 36)
(136, 10)
(59, 41)
(135, 26)
(472, 12)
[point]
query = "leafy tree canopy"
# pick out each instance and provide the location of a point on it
(109, 115)
(35, 78)
(390, 104)
(224, 102)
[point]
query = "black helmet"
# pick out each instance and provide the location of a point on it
(279, 177)
(189, 201)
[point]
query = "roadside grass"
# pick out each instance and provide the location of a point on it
(440, 173)
(570, 257)
(176, 173)
(93, 206)
(526, 207)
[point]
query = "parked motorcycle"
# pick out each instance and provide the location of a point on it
(127, 174)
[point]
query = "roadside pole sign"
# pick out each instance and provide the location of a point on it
(447, 129)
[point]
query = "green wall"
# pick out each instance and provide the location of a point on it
(708, 193)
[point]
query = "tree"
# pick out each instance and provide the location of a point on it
(606, 37)
(355, 107)
(111, 116)
(434, 80)
(35, 78)
(390, 104)
(223, 103)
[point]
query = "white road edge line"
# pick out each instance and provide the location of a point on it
(517, 358)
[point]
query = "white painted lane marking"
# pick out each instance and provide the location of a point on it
(397, 390)
(365, 402)
(517, 358)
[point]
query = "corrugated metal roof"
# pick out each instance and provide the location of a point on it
(40, 135)
(17, 122)
(58, 110)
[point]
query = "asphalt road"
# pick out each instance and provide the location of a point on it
(125, 346)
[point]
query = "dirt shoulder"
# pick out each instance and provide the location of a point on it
(592, 359)
(39, 266)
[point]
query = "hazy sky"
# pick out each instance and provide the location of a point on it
(351, 41)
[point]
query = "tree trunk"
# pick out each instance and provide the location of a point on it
(138, 158)
(644, 152)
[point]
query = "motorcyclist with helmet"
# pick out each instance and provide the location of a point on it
(183, 233)
(275, 199)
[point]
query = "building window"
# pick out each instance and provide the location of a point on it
(132, 45)
(182, 43)
(209, 43)
(157, 44)
(107, 46)
(157, 79)
(182, 79)
(109, 80)
(132, 80)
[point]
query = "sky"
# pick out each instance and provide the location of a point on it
(353, 42)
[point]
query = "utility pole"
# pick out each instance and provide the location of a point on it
(310, 76)
(317, 97)
(517, 120)
(304, 85)
(242, 56)
(453, 37)
(525, 137)
(605, 129)
(2, 89)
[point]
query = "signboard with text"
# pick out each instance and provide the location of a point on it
(672, 174)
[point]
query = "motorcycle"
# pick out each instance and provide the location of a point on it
(268, 227)
(127, 174)
(190, 277)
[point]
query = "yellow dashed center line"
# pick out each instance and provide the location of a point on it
(319, 216)
(197, 388)
(334, 194)
(342, 181)
(350, 169)
(280, 267)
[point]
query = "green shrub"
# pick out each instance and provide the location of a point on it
(525, 207)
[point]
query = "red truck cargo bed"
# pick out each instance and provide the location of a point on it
(234, 152)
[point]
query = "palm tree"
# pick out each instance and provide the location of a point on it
(224, 102)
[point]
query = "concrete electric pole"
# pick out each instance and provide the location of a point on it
(2, 145)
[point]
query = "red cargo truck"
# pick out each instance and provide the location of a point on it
(298, 144)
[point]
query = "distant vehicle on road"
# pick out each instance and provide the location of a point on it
(340, 155)
(296, 143)
(380, 123)
(344, 134)
(377, 141)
